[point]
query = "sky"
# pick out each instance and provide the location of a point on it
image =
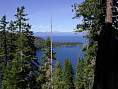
(40, 13)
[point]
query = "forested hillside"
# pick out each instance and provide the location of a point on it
(20, 68)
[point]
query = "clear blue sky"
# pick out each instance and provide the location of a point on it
(40, 12)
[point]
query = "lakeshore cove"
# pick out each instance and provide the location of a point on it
(67, 45)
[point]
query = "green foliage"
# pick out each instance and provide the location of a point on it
(21, 66)
(38, 42)
(3, 38)
(3, 46)
(63, 78)
(58, 82)
(79, 30)
(79, 83)
(93, 13)
(68, 75)
(93, 18)
(17, 54)
(84, 75)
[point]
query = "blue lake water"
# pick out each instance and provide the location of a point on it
(71, 53)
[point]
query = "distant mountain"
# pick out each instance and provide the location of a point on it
(63, 36)
(43, 34)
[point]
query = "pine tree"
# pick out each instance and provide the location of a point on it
(25, 50)
(7, 47)
(58, 77)
(99, 38)
(68, 75)
(11, 40)
(3, 47)
(22, 69)
(79, 83)
(84, 75)
(93, 20)
(3, 39)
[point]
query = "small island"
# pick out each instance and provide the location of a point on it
(39, 43)
(56, 44)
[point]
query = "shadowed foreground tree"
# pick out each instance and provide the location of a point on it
(106, 62)
(101, 22)
(92, 25)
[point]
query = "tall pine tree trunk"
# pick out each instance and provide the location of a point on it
(105, 71)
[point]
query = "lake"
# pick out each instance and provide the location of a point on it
(71, 53)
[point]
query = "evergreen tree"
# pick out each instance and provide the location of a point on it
(93, 20)
(68, 75)
(58, 77)
(3, 46)
(7, 43)
(3, 40)
(21, 69)
(11, 40)
(84, 75)
(11, 37)
(79, 83)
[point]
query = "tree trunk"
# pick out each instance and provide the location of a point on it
(106, 62)
(109, 5)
